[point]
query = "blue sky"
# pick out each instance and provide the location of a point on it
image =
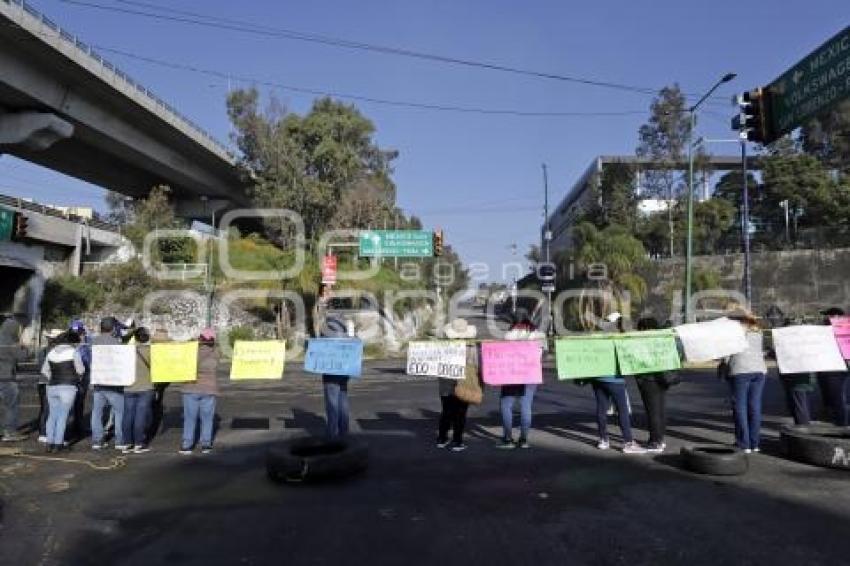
(478, 177)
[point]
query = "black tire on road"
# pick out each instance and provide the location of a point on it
(827, 446)
(715, 460)
(312, 459)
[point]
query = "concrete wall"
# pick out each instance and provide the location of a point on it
(800, 282)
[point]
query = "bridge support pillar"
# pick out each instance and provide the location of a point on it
(34, 130)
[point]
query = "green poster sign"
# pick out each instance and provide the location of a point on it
(639, 353)
(812, 86)
(578, 358)
(396, 243)
(7, 223)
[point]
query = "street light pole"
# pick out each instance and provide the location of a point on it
(689, 251)
(745, 221)
(547, 239)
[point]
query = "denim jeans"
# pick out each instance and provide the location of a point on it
(137, 415)
(336, 404)
(60, 398)
(510, 393)
(9, 394)
(606, 391)
(194, 405)
(100, 400)
(745, 391)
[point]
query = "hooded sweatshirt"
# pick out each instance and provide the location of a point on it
(11, 351)
(63, 365)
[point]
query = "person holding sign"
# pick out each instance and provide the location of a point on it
(335, 387)
(746, 374)
(453, 413)
(613, 388)
(138, 398)
(107, 395)
(833, 385)
(510, 394)
(63, 368)
(199, 397)
(653, 392)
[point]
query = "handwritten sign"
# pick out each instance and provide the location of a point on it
(841, 330)
(511, 363)
(334, 356)
(113, 365)
(438, 358)
(645, 352)
(704, 341)
(578, 358)
(801, 349)
(258, 360)
(174, 362)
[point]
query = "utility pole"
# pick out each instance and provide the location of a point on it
(547, 241)
(745, 222)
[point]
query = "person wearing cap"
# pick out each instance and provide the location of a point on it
(76, 429)
(11, 353)
(104, 396)
(833, 385)
(453, 409)
(746, 375)
(138, 397)
(521, 329)
(335, 387)
(41, 386)
(63, 368)
(199, 397)
(613, 389)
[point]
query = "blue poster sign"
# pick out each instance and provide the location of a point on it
(334, 356)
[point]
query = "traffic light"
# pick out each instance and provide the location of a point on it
(752, 122)
(19, 229)
(438, 243)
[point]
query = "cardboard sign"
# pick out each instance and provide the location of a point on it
(841, 330)
(704, 341)
(329, 266)
(113, 365)
(512, 363)
(645, 352)
(334, 356)
(174, 362)
(578, 358)
(801, 349)
(437, 358)
(258, 360)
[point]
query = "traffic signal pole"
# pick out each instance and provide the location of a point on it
(745, 223)
(547, 239)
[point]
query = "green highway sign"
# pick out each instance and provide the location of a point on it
(812, 86)
(396, 243)
(7, 223)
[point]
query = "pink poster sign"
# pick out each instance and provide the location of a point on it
(841, 328)
(512, 363)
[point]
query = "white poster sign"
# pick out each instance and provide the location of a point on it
(801, 349)
(713, 340)
(438, 358)
(113, 365)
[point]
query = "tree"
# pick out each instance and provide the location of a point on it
(534, 255)
(714, 220)
(827, 137)
(615, 199)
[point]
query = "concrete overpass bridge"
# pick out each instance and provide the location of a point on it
(64, 107)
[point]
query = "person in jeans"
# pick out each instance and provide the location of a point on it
(833, 385)
(107, 395)
(746, 373)
(335, 387)
(63, 368)
(510, 394)
(653, 393)
(454, 409)
(139, 396)
(76, 429)
(11, 352)
(199, 397)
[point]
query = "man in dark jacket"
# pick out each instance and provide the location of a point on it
(11, 352)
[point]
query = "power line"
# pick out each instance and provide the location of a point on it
(197, 19)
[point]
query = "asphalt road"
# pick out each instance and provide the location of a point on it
(562, 502)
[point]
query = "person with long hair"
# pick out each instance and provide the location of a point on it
(63, 368)
(521, 329)
(745, 377)
(653, 393)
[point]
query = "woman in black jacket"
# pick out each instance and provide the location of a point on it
(63, 368)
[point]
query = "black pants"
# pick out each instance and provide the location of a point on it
(157, 411)
(76, 429)
(653, 395)
(453, 417)
(833, 389)
(42, 409)
(797, 401)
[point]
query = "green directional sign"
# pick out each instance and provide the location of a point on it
(396, 243)
(812, 86)
(7, 223)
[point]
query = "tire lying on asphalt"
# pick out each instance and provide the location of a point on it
(827, 446)
(313, 459)
(715, 460)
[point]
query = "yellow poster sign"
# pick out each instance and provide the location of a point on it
(258, 360)
(174, 362)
